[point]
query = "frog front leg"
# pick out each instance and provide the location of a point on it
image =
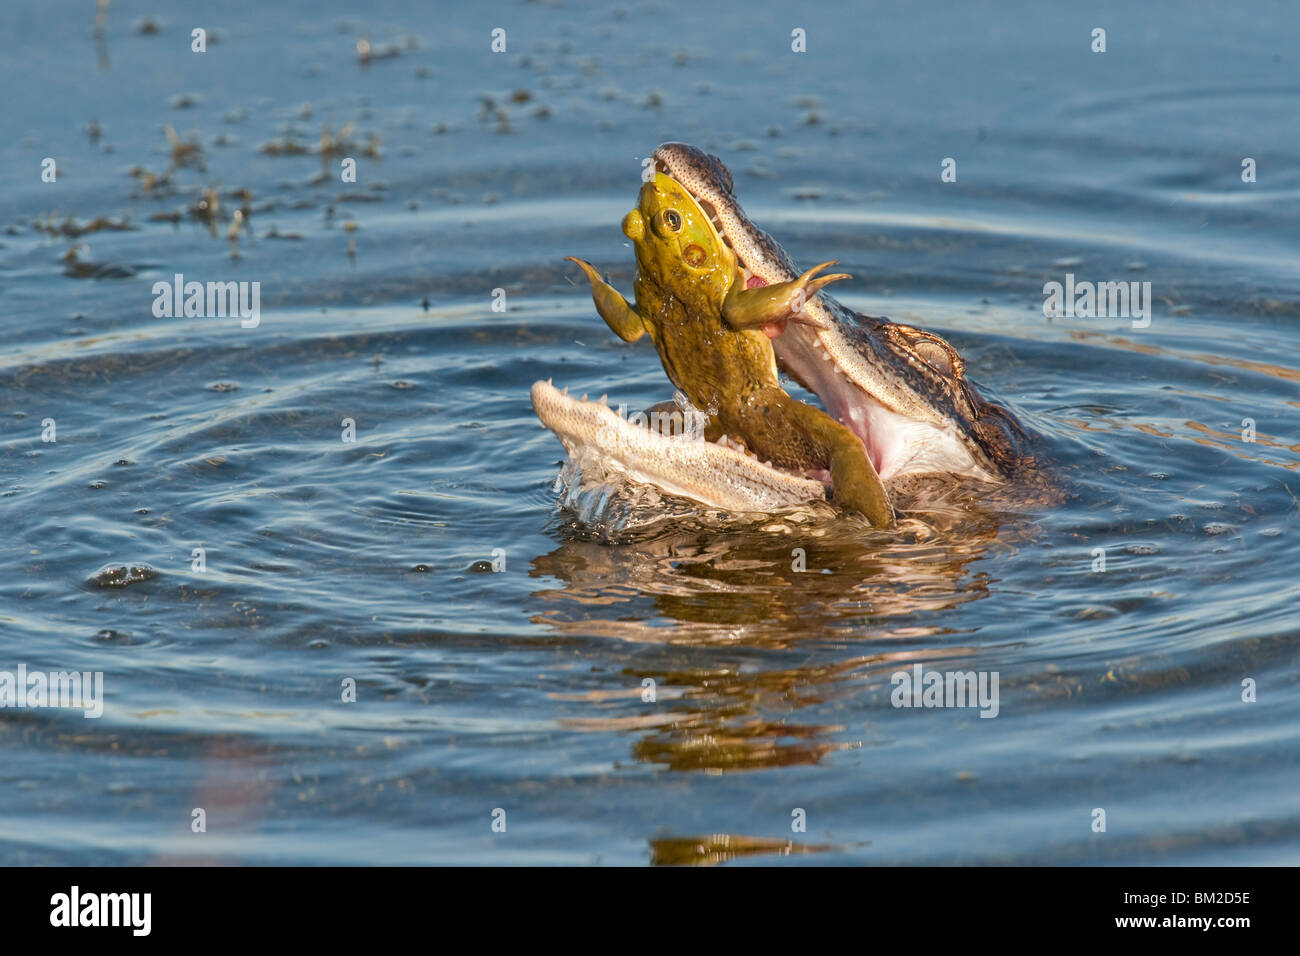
(782, 302)
(619, 314)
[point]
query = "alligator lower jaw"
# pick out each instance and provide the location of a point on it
(716, 474)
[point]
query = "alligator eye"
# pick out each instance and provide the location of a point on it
(672, 219)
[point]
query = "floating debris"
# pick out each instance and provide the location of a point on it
(122, 575)
(184, 152)
(366, 51)
(284, 147)
(79, 268)
(151, 181)
(207, 209)
(70, 227)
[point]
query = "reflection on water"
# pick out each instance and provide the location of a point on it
(721, 848)
(772, 587)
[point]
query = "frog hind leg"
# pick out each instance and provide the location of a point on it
(619, 314)
(857, 485)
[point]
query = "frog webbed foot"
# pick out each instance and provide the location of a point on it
(780, 302)
(859, 488)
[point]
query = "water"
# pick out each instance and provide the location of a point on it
(521, 690)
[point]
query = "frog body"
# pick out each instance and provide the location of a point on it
(713, 336)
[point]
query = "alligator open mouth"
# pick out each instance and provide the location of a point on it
(800, 347)
(895, 399)
(900, 390)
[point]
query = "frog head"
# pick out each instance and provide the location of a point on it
(677, 246)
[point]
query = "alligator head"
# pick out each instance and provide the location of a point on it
(902, 390)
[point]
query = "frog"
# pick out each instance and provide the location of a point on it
(711, 332)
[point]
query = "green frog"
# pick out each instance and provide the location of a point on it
(713, 336)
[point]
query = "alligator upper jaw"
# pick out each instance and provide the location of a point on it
(716, 474)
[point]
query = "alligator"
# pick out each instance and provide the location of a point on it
(706, 324)
(901, 391)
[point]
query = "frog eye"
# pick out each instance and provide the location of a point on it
(672, 219)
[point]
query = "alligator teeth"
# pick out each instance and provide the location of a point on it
(584, 396)
(565, 393)
(603, 397)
